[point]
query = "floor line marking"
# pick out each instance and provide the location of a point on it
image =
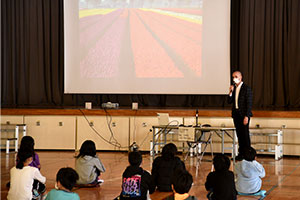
(281, 181)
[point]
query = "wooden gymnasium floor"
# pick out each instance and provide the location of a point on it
(282, 179)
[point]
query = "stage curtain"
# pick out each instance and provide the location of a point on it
(264, 41)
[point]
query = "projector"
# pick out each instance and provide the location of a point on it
(110, 105)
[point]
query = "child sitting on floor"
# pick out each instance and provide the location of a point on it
(249, 173)
(65, 180)
(220, 183)
(182, 182)
(136, 182)
(88, 165)
(22, 177)
(164, 166)
(27, 144)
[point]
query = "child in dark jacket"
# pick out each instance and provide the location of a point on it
(135, 181)
(164, 166)
(220, 183)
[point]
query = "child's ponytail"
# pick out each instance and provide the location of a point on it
(27, 144)
(22, 157)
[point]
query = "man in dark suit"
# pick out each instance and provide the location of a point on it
(240, 95)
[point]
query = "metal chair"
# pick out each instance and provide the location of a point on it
(197, 144)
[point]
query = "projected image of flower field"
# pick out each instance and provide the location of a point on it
(142, 40)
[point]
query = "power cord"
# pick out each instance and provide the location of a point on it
(111, 131)
(117, 145)
(161, 131)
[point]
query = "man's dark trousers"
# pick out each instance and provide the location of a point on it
(242, 131)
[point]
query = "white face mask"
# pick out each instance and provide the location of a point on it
(236, 80)
(56, 187)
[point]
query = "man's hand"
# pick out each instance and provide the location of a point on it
(231, 88)
(246, 120)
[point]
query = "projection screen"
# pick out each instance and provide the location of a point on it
(147, 46)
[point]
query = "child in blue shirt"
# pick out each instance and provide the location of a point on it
(249, 173)
(65, 180)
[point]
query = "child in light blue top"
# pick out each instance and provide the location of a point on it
(61, 194)
(249, 173)
(65, 180)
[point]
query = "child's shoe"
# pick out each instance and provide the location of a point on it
(35, 194)
(259, 193)
(100, 181)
